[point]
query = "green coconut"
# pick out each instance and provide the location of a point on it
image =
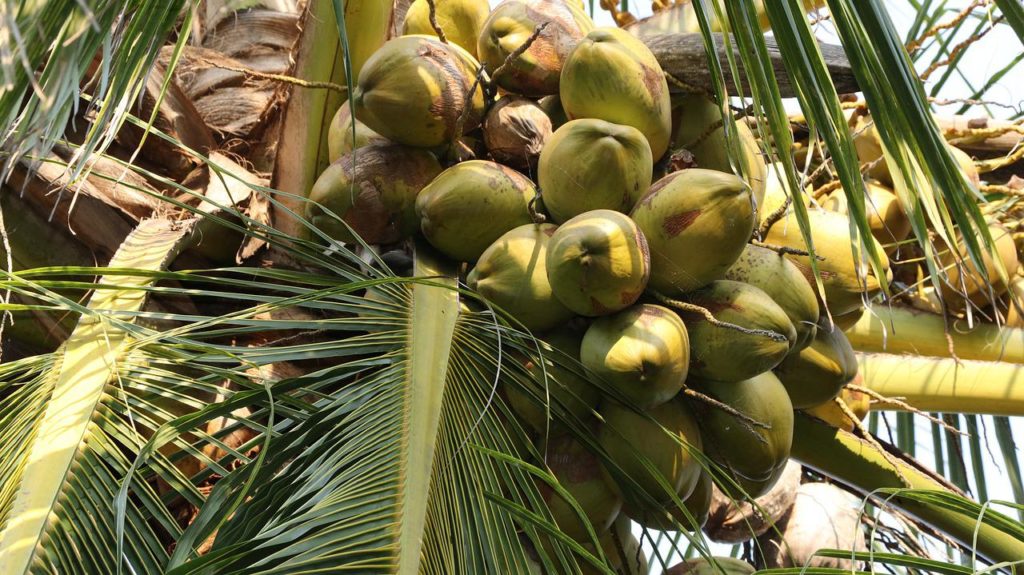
(671, 517)
(536, 71)
(699, 130)
(889, 224)
(592, 164)
(613, 76)
(647, 460)
(778, 277)
(845, 289)
(470, 205)
(818, 372)
(702, 566)
(754, 455)
(643, 351)
(340, 140)
(697, 223)
(580, 472)
(512, 274)
(373, 191)
(598, 263)
(552, 106)
(460, 20)
(565, 387)
(515, 131)
(724, 354)
(413, 91)
(622, 549)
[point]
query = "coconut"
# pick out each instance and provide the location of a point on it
(721, 566)
(622, 549)
(460, 20)
(845, 289)
(698, 128)
(592, 165)
(858, 402)
(373, 191)
(466, 208)
(552, 106)
(697, 223)
(778, 277)
(643, 351)
(340, 140)
(754, 455)
(848, 320)
(731, 521)
(823, 516)
(515, 132)
(579, 471)
(889, 224)
(671, 517)
(536, 71)
(598, 263)
(645, 461)
(413, 90)
(973, 284)
(1015, 301)
(613, 76)
(819, 372)
(724, 354)
(565, 387)
(511, 274)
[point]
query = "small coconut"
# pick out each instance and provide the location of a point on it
(580, 472)
(643, 351)
(552, 106)
(731, 521)
(889, 224)
(515, 131)
(340, 140)
(972, 284)
(373, 191)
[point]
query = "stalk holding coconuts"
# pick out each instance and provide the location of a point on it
(373, 191)
(415, 90)
(536, 71)
(592, 164)
(512, 274)
(613, 76)
(598, 263)
(697, 223)
(470, 205)
(643, 351)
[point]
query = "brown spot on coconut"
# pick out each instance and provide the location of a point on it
(579, 471)
(643, 351)
(515, 131)
(591, 164)
(613, 76)
(470, 205)
(823, 516)
(734, 521)
(818, 372)
(685, 259)
(413, 91)
(537, 71)
(373, 191)
(598, 262)
(725, 354)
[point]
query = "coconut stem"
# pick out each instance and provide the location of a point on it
(866, 435)
(536, 216)
(434, 24)
(749, 422)
(783, 250)
(706, 314)
(898, 402)
(773, 217)
(519, 51)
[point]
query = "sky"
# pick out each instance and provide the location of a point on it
(989, 54)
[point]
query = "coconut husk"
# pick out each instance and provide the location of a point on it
(731, 521)
(823, 516)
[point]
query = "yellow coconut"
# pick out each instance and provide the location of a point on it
(819, 372)
(537, 71)
(460, 20)
(511, 274)
(340, 139)
(598, 263)
(697, 223)
(1015, 315)
(413, 90)
(643, 351)
(889, 224)
(613, 76)
(967, 281)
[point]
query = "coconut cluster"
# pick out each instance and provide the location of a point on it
(610, 219)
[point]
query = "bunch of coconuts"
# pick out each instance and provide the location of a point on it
(604, 216)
